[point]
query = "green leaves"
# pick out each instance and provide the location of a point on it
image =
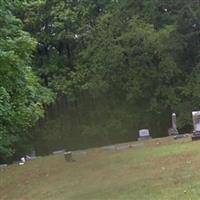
(21, 95)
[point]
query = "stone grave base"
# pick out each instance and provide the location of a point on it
(144, 138)
(172, 131)
(181, 136)
(196, 136)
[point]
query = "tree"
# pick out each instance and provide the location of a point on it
(21, 95)
(61, 29)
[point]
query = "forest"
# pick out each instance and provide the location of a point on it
(80, 72)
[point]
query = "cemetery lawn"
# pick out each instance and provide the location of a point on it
(164, 169)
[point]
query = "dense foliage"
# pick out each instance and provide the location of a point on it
(21, 95)
(121, 64)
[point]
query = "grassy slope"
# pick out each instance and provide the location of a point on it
(162, 169)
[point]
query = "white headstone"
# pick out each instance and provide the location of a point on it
(196, 120)
(23, 159)
(144, 133)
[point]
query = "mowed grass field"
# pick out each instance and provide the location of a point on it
(163, 169)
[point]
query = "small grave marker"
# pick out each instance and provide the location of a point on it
(109, 147)
(3, 166)
(59, 152)
(144, 134)
(68, 156)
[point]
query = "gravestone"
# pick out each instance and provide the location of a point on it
(173, 130)
(3, 166)
(136, 145)
(109, 148)
(68, 156)
(59, 152)
(196, 124)
(122, 147)
(144, 134)
(33, 153)
(79, 152)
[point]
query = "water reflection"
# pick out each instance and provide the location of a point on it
(91, 122)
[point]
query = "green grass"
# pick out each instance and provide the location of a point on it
(164, 169)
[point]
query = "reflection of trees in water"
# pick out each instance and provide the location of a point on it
(93, 122)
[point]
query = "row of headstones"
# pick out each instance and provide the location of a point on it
(145, 134)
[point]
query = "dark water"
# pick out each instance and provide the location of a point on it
(91, 122)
